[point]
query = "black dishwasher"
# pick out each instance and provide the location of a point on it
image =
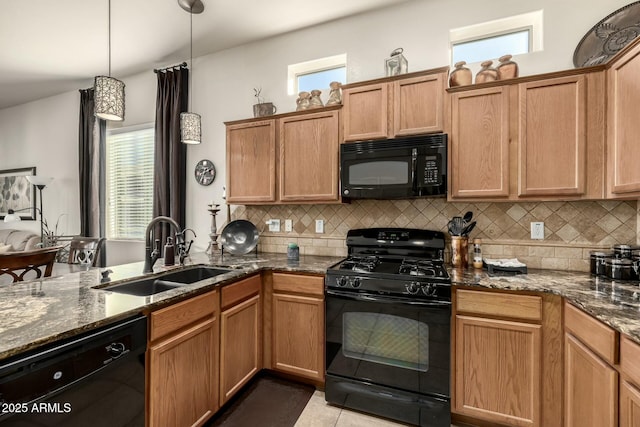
(94, 379)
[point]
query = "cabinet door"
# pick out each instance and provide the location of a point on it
(251, 162)
(298, 335)
(591, 388)
(418, 105)
(182, 383)
(366, 112)
(479, 143)
(497, 374)
(240, 346)
(629, 405)
(309, 157)
(552, 137)
(623, 126)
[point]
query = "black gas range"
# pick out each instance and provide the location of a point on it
(397, 262)
(388, 315)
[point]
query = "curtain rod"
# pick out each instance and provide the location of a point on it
(157, 70)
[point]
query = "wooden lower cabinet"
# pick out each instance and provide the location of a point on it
(498, 370)
(240, 345)
(591, 387)
(629, 405)
(297, 325)
(182, 373)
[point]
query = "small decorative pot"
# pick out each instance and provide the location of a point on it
(303, 101)
(264, 109)
(460, 76)
(315, 101)
(507, 69)
(335, 96)
(486, 73)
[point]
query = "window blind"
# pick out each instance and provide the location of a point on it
(129, 181)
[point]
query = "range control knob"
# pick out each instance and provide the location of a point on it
(413, 287)
(356, 283)
(429, 289)
(345, 192)
(342, 281)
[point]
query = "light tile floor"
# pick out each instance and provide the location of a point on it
(318, 413)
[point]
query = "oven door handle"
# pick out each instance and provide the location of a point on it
(386, 299)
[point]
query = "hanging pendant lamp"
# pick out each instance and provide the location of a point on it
(190, 123)
(109, 92)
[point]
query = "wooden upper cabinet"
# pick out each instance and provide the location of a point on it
(251, 162)
(365, 112)
(393, 107)
(479, 143)
(553, 138)
(623, 126)
(418, 105)
(533, 138)
(309, 147)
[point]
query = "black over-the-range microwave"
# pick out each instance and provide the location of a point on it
(394, 168)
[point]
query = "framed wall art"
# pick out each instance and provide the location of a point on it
(17, 193)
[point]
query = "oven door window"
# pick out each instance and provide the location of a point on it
(406, 346)
(387, 339)
(377, 173)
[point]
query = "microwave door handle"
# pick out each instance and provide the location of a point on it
(414, 170)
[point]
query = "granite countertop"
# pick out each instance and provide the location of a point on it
(615, 303)
(38, 312)
(35, 313)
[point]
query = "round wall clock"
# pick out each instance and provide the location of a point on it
(205, 172)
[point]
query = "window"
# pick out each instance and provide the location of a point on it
(129, 181)
(515, 35)
(317, 74)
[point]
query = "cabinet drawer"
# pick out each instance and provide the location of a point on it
(177, 316)
(239, 291)
(297, 283)
(596, 335)
(526, 307)
(629, 357)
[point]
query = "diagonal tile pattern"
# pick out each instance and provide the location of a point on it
(575, 225)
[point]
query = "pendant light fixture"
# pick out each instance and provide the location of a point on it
(109, 92)
(190, 123)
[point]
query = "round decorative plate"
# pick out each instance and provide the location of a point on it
(608, 36)
(239, 237)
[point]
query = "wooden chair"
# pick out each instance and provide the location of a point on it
(85, 250)
(18, 264)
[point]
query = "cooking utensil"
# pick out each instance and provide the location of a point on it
(467, 229)
(239, 237)
(468, 217)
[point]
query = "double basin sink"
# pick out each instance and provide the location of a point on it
(167, 281)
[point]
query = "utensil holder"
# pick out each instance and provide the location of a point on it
(459, 251)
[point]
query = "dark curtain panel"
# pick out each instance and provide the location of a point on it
(170, 159)
(91, 171)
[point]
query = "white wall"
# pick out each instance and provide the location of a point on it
(44, 133)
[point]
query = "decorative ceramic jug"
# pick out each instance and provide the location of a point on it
(486, 73)
(315, 101)
(335, 96)
(460, 76)
(303, 101)
(507, 69)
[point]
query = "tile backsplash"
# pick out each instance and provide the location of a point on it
(572, 229)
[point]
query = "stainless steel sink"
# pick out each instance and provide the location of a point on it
(167, 281)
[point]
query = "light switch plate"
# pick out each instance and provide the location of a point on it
(319, 225)
(288, 225)
(274, 225)
(537, 230)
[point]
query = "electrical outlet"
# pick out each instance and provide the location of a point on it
(537, 230)
(288, 225)
(274, 225)
(319, 225)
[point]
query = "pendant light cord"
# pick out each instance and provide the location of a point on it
(109, 14)
(191, 58)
